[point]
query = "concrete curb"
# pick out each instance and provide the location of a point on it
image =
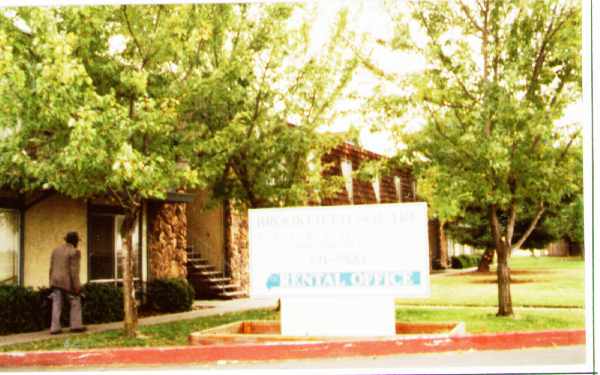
(287, 351)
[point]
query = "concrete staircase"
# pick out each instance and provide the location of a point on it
(207, 281)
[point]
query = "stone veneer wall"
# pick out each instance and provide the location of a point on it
(236, 245)
(167, 240)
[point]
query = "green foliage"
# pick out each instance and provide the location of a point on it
(169, 295)
(137, 101)
(464, 261)
(473, 228)
(132, 102)
(21, 310)
(498, 76)
(254, 111)
(27, 310)
(102, 303)
(73, 128)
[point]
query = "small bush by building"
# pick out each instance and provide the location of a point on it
(102, 303)
(169, 295)
(21, 310)
(464, 261)
(27, 310)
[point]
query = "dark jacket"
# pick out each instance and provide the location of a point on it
(64, 268)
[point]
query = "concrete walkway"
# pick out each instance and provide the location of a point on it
(199, 309)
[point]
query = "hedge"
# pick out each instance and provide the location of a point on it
(26, 310)
(465, 261)
(169, 295)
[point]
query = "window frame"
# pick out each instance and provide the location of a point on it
(102, 210)
(19, 213)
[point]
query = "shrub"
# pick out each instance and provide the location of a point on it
(102, 303)
(26, 310)
(20, 310)
(169, 295)
(464, 261)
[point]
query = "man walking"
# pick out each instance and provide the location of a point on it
(64, 281)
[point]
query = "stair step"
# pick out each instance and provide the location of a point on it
(202, 266)
(225, 287)
(196, 260)
(236, 294)
(207, 274)
(219, 280)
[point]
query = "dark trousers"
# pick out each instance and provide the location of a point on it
(57, 303)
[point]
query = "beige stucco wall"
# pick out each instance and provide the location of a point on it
(46, 224)
(206, 230)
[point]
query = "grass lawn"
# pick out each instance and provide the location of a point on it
(543, 281)
(540, 281)
(477, 320)
(484, 319)
(167, 334)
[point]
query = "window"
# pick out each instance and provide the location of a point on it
(9, 246)
(106, 248)
(398, 185)
(346, 166)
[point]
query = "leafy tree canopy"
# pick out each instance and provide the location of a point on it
(498, 75)
(262, 94)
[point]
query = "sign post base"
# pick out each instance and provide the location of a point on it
(338, 316)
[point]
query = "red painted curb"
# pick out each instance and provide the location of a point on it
(284, 351)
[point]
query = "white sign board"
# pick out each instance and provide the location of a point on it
(368, 250)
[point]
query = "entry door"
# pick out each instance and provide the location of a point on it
(102, 247)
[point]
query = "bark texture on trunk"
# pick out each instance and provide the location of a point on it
(443, 245)
(486, 260)
(168, 241)
(129, 304)
(503, 272)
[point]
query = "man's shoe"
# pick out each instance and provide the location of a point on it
(56, 332)
(80, 329)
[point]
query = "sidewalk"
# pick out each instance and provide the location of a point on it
(199, 309)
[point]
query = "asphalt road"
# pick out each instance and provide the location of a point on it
(525, 360)
(449, 361)
(566, 358)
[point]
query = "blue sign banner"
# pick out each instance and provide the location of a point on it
(360, 279)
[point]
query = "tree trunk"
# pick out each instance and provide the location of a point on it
(503, 272)
(129, 303)
(443, 245)
(486, 260)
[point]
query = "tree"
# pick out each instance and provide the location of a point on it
(255, 110)
(498, 74)
(132, 102)
(84, 119)
(473, 229)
